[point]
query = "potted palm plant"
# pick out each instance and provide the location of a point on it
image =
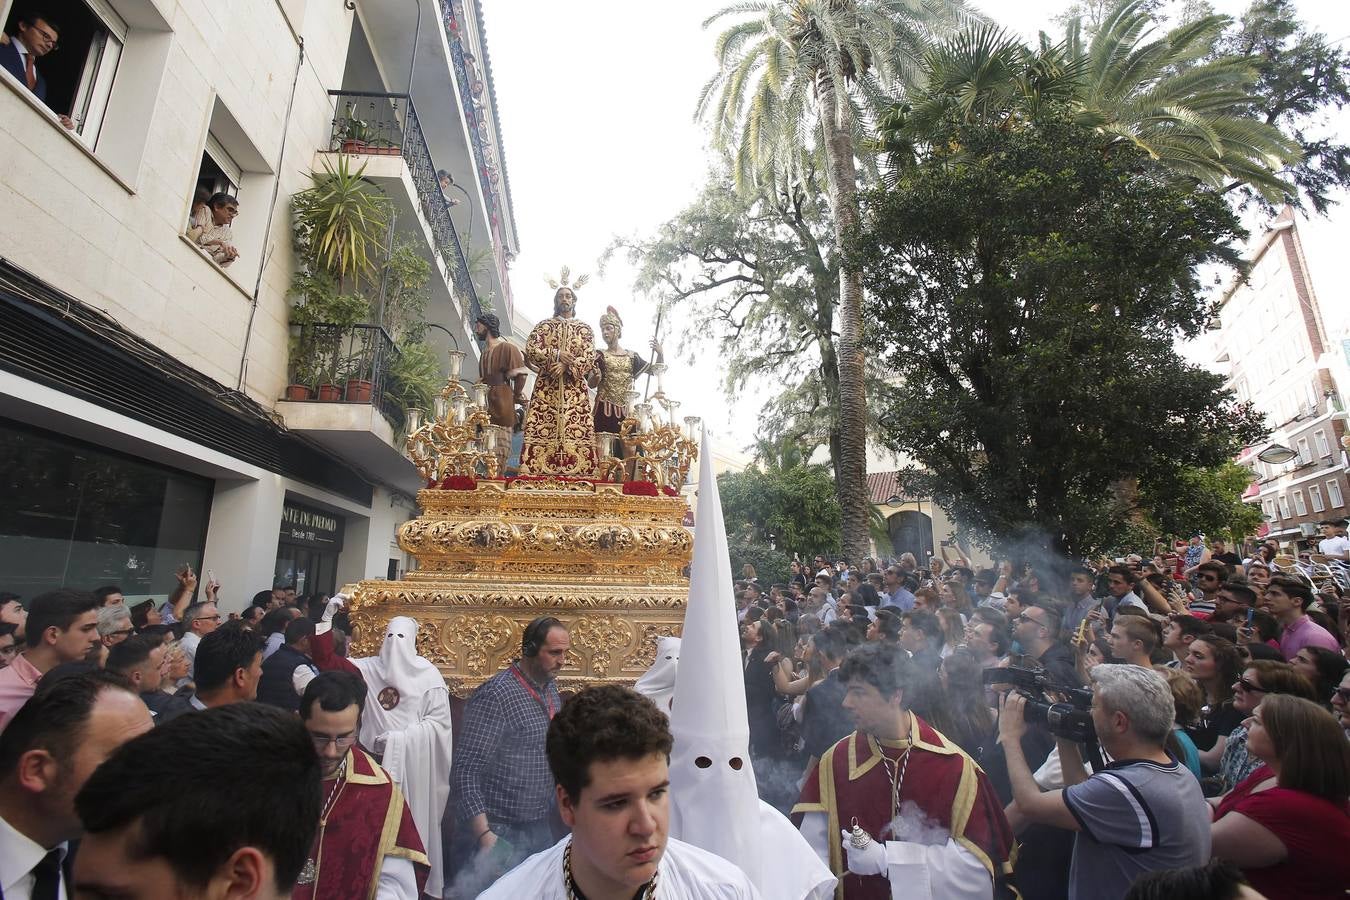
(339, 223)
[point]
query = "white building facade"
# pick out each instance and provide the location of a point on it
(1273, 346)
(142, 425)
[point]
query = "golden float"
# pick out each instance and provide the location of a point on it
(605, 554)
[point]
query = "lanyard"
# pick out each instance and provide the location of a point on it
(529, 688)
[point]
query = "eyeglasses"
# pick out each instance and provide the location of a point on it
(215, 618)
(1026, 618)
(1250, 688)
(47, 36)
(343, 741)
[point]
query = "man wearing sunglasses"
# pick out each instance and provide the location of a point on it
(354, 854)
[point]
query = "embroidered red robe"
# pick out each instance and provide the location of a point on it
(851, 781)
(369, 822)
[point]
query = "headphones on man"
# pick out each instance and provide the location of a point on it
(535, 634)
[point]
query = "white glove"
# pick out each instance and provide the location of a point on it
(336, 603)
(871, 860)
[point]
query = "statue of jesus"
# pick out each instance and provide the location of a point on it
(559, 432)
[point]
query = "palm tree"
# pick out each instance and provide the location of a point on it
(1168, 95)
(798, 81)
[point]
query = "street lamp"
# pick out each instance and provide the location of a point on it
(1276, 455)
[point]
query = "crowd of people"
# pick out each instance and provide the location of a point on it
(1155, 683)
(1121, 729)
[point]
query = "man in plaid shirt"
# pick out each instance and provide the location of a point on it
(500, 782)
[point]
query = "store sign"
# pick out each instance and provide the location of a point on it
(311, 528)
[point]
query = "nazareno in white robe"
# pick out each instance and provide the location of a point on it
(685, 873)
(414, 736)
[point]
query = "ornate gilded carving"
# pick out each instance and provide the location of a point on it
(608, 564)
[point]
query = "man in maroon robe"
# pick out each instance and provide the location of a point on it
(366, 841)
(923, 809)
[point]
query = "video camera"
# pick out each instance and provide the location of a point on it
(1071, 720)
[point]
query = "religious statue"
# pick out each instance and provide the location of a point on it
(502, 369)
(559, 431)
(616, 370)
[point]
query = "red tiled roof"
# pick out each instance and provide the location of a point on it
(882, 486)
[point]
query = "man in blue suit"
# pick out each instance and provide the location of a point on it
(35, 38)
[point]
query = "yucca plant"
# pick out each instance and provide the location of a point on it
(340, 221)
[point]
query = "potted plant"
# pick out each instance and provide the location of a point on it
(359, 384)
(353, 133)
(414, 378)
(304, 370)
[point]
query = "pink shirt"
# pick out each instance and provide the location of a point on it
(1304, 632)
(18, 680)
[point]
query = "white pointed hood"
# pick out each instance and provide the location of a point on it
(396, 682)
(714, 799)
(657, 684)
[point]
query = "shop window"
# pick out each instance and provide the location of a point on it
(1334, 494)
(1315, 496)
(76, 515)
(79, 72)
(1300, 505)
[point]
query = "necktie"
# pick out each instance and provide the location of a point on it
(29, 72)
(47, 874)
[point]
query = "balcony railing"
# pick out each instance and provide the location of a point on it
(334, 364)
(375, 124)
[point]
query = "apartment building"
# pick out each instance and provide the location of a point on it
(1273, 345)
(142, 419)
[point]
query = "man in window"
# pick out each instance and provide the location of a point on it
(217, 239)
(35, 37)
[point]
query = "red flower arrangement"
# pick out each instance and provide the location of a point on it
(459, 483)
(640, 489)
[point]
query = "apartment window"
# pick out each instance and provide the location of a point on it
(231, 164)
(1284, 507)
(1268, 507)
(1323, 447)
(1304, 452)
(76, 78)
(1300, 505)
(1315, 496)
(1334, 494)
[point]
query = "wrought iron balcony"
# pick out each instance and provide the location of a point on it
(334, 364)
(375, 124)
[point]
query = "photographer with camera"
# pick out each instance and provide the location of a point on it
(1142, 813)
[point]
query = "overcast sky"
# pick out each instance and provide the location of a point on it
(596, 103)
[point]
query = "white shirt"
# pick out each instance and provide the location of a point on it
(1334, 546)
(687, 873)
(18, 855)
(188, 644)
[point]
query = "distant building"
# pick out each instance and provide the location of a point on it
(1273, 346)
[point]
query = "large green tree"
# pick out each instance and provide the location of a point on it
(757, 277)
(1170, 94)
(794, 510)
(1301, 79)
(1027, 289)
(796, 81)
